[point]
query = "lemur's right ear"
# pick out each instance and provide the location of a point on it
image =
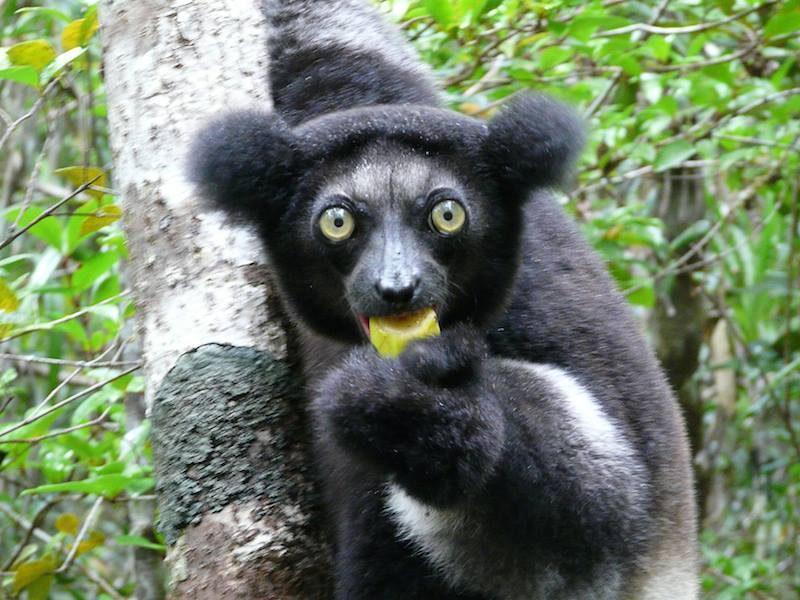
(533, 142)
(243, 163)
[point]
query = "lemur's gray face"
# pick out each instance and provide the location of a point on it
(386, 209)
(397, 227)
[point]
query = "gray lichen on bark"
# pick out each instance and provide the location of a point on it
(222, 420)
(229, 449)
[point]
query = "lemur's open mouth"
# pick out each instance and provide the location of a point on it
(364, 322)
(390, 334)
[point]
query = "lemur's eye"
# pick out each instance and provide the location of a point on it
(448, 217)
(337, 224)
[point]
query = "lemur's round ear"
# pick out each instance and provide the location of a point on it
(532, 142)
(243, 163)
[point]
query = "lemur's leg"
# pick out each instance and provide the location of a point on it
(374, 562)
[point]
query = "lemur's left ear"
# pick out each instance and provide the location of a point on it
(243, 162)
(532, 142)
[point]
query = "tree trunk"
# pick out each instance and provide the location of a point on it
(229, 438)
(678, 319)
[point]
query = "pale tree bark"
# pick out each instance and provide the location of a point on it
(229, 439)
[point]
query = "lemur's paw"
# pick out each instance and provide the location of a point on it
(451, 360)
(424, 418)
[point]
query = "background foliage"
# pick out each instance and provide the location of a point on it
(688, 187)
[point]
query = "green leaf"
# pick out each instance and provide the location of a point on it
(28, 574)
(47, 230)
(673, 154)
(92, 269)
(643, 296)
(691, 234)
(441, 11)
(555, 55)
(658, 47)
(139, 541)
(108, 486)
(25, 75)
(61, 61)
(49, 12)
(783, 22)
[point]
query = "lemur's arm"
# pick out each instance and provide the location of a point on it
(328, 55)
(455, 428)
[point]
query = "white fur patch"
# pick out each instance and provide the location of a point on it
(582, 409)
(431, 529)
(451, 540)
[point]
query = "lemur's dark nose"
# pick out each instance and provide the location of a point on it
(397, 292)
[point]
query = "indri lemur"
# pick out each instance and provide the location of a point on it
(533, 450)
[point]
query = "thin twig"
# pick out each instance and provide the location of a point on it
(46, 360)
(59, 432)
(645, 27)
(35, 522)
(710, 260)
(48, 539)
(63, 383)
(68, 400)
(87, 523)
(37, 166)
(690, 66)
(598, 102)
(741, 198)
(36, 106)
(50, 324)
(480, 59)
(766, 100)
(47, 213)
(755, 141)
(4, 405)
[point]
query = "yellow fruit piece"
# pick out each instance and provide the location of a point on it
(390, 335)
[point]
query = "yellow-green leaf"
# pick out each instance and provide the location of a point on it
(8, 299)
(78, 32)
(105, 215)
(67, 523)
(40, 589)
(93, 540)
(28, 572)
(79, 175)
(613, 233)
(34, 53)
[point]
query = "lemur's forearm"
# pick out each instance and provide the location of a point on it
(328, 55)
(528, 434)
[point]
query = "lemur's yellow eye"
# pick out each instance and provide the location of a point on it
(337, 224)
(448, 217)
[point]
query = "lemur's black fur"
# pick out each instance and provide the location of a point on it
(531, 451)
